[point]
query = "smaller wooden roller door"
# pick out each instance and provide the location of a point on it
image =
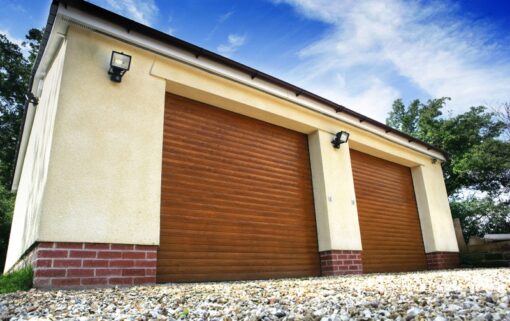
(389, 222)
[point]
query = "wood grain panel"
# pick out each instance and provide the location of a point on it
(236, 198)
(389, 222)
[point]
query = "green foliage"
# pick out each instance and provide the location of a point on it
(17, 280)
(33, 37)
(481, 216)
(6, 209)
(503, 115)
(478, 159)
(14, 75)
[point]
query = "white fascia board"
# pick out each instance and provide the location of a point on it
(102, 26)
(57, 35)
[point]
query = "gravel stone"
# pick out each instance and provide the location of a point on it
(481, 294)
(411, 313)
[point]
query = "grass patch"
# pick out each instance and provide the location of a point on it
(17, 280)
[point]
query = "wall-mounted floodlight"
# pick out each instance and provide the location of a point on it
(119, 64)
(340, 138)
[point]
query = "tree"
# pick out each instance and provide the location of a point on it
(478, 159)
(503, 114)
(14, 76)
(14, 73)
(6, 209)
(33, 37)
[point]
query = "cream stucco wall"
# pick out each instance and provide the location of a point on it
(334, 196)
(34, 174)
(104, 175)
(434, 210)
(196, 84)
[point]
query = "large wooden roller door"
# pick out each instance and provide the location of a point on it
(236, 199)
(389, 222)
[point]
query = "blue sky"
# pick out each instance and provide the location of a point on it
(363, 54)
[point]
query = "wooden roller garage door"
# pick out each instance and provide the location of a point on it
(236, 199)
(390, 226)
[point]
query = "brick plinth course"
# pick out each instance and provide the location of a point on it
(443, 260)
(79, 265)
(340, 262)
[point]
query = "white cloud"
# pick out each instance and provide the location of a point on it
(233, 43)
(171, 31)
(375, 51)
(371, 100)
(221, 19)
(17, 7)
(224, 17)
(143, 11)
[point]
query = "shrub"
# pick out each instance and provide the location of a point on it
(480, 216)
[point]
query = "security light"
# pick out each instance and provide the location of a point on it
(119, 64)
(340, 138)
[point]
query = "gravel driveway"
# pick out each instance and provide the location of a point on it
(481, 294)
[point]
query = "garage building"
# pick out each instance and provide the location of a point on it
(148, 159)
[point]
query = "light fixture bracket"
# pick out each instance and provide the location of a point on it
(116, 74)
(32, 99)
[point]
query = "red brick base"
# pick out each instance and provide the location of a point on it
(78, 265)
(443, 260)
(339, 262)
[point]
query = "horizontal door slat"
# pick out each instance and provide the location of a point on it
(186, 214)
(173, 241)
